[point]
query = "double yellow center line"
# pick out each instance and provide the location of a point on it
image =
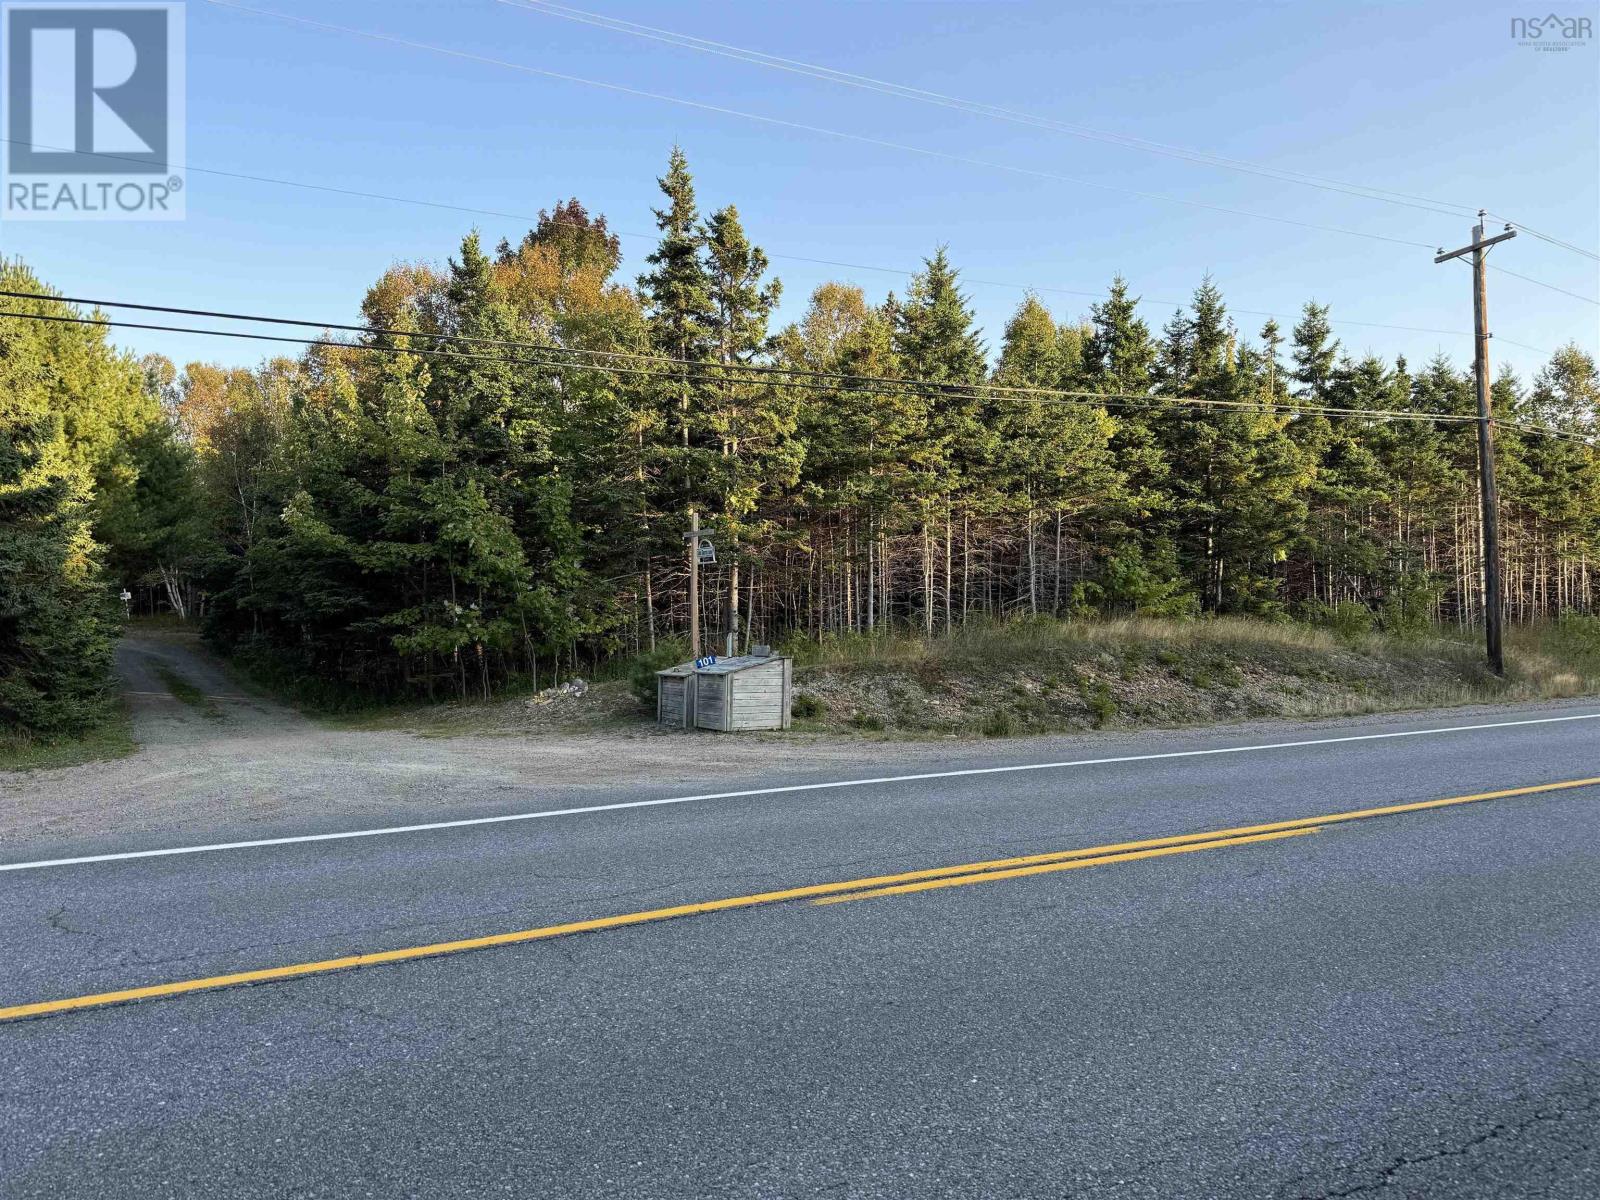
(842, 892)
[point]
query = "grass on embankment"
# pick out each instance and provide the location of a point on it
(1043, 676)
(111, 738)
(1047, 676)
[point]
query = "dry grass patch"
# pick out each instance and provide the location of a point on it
(1042, 676)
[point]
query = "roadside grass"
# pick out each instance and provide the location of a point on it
(1036, 676)
(511, 712)
(112, 738)
(613, 701)
(1042, 675)
(186, 691)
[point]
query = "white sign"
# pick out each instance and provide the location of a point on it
(706, 552)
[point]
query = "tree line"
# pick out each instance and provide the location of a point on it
(491, 480)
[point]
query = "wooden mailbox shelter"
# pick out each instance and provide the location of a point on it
(749, 692)
(729, 694)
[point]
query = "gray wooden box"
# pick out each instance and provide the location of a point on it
(675, 696)
(751, 692)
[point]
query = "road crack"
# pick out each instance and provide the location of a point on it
(58, 921)
(1386, 1175)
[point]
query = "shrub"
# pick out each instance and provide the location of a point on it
(997, 723)
(642, 675)
(1408, 604)
(1347, 619)
(1102, 704)
(806, 706)
(1579, 632)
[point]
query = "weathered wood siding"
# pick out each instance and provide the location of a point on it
(758, 697)
(710, 706)
(669, 700)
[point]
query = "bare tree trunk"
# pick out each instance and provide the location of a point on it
(966, 565)
(1033, 566)
(174, 592)
(949, 546)
(872, 577)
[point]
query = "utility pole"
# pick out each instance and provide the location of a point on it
(1489, 496)
(693, 538)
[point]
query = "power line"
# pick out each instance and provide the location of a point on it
(922, 95)
(655, 359)
(902, 272)
(816, 129)
(1548, 286)
(943, 100)
(782, 123)
(1116, 400)
(1545, 237)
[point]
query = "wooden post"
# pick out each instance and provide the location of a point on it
(694, 584)
(1488, 493)
(1489, 496)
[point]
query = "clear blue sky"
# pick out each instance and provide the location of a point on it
(1431, 98)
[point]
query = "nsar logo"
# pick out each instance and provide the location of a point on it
(1552, 32)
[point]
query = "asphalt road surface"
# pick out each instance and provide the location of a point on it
(1403, 1005)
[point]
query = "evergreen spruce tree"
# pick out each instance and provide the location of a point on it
(937, 341)
(1054, 461)
(678, 305)
(752, 421)
(1139, 569)
(57, 616)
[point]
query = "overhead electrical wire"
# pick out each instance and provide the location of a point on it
(981, 108)
(825, 262)
(971, 391)
(1545, 237)
(504, 343)
(902, 272)
(903, 91)
(580, 353)
(1541, 283)
(708, 371)
(783, 123)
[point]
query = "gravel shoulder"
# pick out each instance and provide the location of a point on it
(237, 763)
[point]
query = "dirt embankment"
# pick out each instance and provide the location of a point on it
(1164, 674)
(1107, 689)
(1051, 677)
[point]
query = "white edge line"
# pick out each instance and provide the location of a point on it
(767, 791)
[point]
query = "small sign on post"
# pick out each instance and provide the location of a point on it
(706, 552)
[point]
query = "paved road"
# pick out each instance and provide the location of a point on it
(1399, 1006)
